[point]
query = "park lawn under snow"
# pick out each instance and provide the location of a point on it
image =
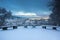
(29, 34)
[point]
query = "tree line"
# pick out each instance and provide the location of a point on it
(54, 16)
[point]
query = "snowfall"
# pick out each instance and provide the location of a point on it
(29, 33)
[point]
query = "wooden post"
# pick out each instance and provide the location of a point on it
(33, 26)
(44, 27)
(14, 27)
(4, 28)
(25, 26)
(54, 28)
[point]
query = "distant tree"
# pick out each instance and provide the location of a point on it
(4, 14)
(55, 15)
(8, 15)
(2, 10)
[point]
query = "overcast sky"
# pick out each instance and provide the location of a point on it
(39, 7)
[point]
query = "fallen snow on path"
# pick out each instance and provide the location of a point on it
(29, 34)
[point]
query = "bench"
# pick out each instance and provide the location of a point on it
(6, 27)
(53, 27)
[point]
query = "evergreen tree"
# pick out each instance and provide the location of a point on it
(55, 15)
(4, 14)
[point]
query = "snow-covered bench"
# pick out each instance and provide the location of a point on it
(53, 27)
(6, 27)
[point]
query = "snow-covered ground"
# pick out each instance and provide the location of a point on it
(29, 34)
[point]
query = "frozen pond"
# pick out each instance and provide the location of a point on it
(29, 34)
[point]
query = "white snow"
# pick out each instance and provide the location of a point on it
(29, 34)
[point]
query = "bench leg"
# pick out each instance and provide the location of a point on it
(33, 26)
(4, 28)
(14, 27)
(54, 28)
(44, 27)
(25, 26)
